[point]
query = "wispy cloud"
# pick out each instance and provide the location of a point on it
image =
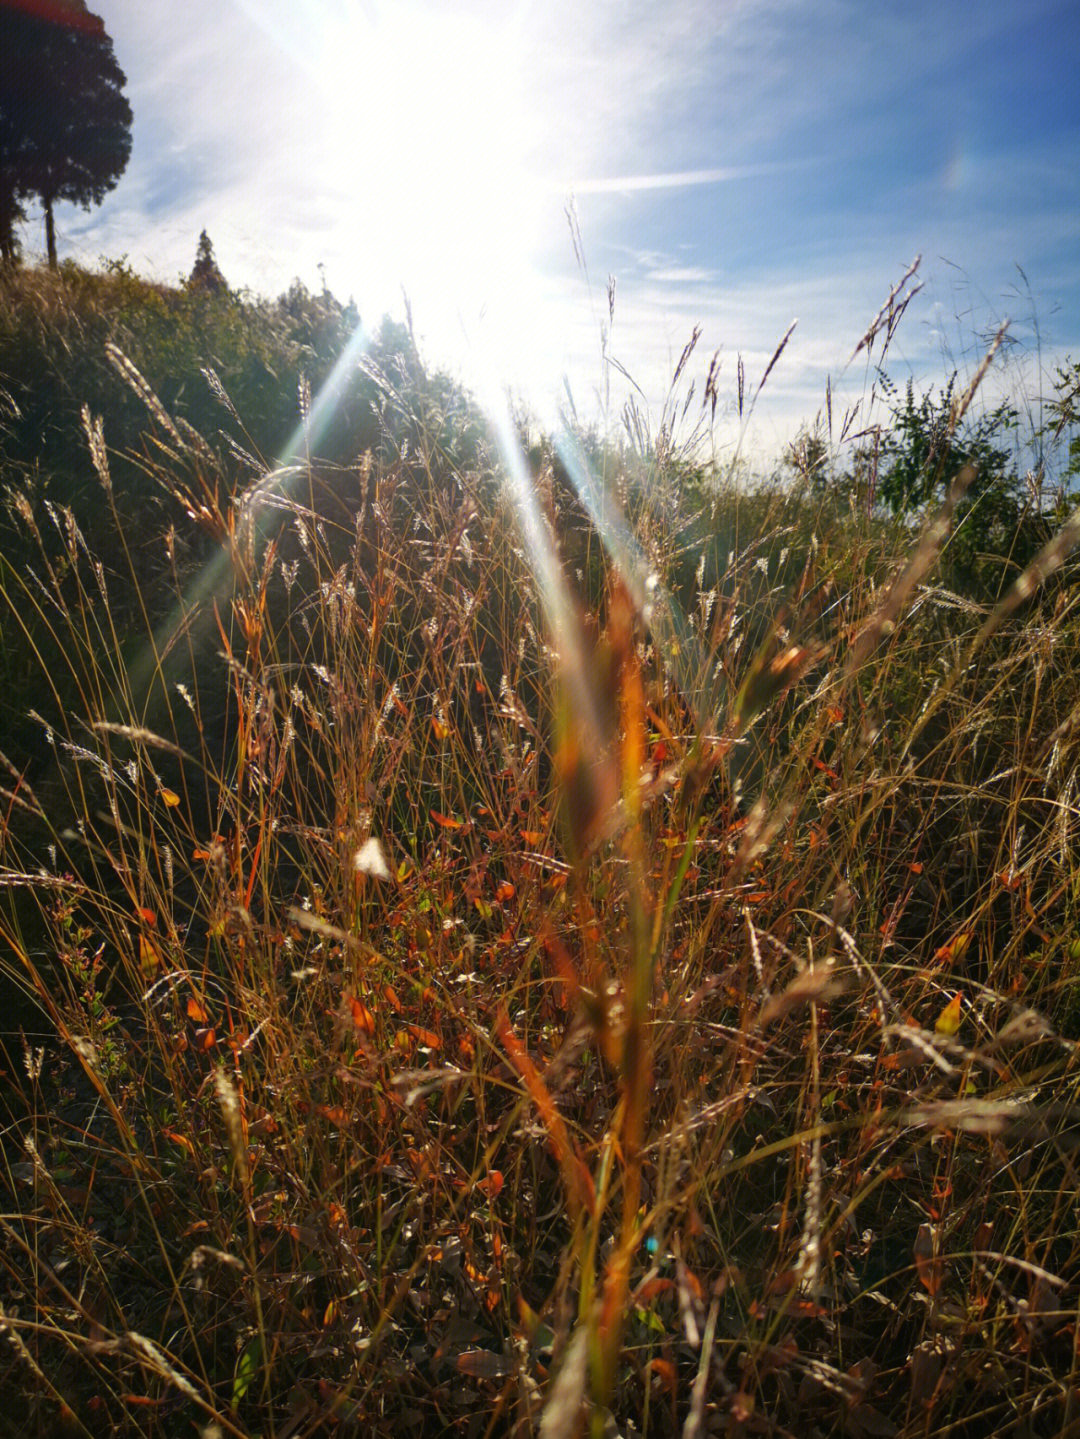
(673, 179)
(682, 275)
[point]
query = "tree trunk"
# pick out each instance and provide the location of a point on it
(9, 213)
(50, 234)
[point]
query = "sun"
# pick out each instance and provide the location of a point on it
(433, 149)
(430, 150)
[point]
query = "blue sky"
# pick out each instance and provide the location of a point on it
(734, 166)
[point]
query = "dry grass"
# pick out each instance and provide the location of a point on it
(447, 1022)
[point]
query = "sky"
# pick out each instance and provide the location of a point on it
(715, 163)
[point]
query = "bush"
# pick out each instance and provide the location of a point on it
(996, 532)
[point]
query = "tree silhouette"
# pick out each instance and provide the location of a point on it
(65, 123)
(205, 274)
(11, 212)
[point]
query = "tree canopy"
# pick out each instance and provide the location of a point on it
(65, 123)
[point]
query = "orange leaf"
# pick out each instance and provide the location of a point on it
(196, 1012)
(362, 1017)
(492, 1185)
(445, 821)
(147, 916)
(171, 798)
(181, 1139)
(504, 892)
(955, 949)
(391, 998)
(205, 1038)
(826, 770)
(665, 1372)
(425, 1036)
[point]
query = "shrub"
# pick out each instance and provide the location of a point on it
(924, 454)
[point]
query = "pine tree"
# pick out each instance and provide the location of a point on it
(205, 274)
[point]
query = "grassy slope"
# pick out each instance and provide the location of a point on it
(709, 1056)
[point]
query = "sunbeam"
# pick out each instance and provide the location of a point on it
(275, 484)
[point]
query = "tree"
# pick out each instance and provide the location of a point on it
(65, 123)
(205, 274)
(16, 95)
(11, 212)
(995, 530)
(1065, 416)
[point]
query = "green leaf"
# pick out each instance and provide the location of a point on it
(247, 1366)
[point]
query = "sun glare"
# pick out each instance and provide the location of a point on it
(431, 153)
